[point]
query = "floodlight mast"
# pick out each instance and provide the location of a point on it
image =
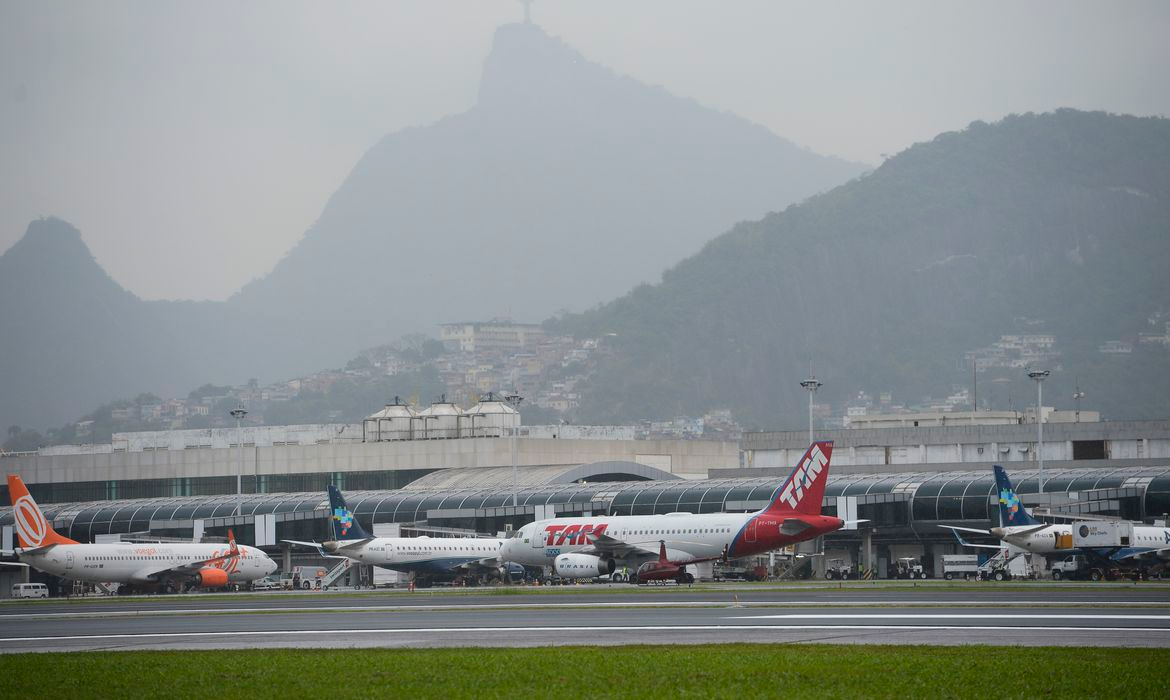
(811, 385)
(514, 400)
(238, 413)
(1038, 376)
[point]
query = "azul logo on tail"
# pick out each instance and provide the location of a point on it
(345, 525)
(1011, 511)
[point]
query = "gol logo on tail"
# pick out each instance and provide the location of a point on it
(30, 524)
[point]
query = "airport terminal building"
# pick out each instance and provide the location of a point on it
(905, 481)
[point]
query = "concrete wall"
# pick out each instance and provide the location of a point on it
(686, 458)
(975, 445)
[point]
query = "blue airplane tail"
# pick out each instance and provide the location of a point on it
(1011, 511)
(345, 524)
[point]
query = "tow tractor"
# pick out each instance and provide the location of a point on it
(908, 567)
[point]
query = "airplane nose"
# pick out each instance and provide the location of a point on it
(270, 567)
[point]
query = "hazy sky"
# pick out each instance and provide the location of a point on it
(193, 143)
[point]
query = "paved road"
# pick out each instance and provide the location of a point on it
(1034, 616)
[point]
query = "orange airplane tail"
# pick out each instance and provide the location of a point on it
(32, 530)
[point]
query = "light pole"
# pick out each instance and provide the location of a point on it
(238, 413)
(1039, 375)
(514, 400)
(1077, 396)
(811, 385)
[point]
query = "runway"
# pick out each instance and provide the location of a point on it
(1029, 616)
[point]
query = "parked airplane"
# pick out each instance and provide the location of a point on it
(169, 565)
(1019, 528)
(423, 558)
(663, 569)
(595, 546)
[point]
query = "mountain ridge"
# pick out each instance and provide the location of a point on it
(1059, 217)
(567, 185)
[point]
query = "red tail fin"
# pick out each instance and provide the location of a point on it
(804, 489)
(32, 530)
(662, 552)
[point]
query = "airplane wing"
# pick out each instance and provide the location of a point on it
(13, 563)
(965, 543)
(1136, 553)
(952, 528)
(480, 565)
(317, 546)
(618, 549)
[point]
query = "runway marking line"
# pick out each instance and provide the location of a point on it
(535, 606)
(647, 628)
(947, 616)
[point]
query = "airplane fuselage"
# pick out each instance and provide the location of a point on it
(141, 563)
(1058, 537)
(688, 537)
(437, 555)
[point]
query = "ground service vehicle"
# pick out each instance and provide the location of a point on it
(908, 567)
(30, 590)
(965, 566)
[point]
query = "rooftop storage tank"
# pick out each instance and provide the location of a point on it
(394, 422)
(491, 417)
(439, 420)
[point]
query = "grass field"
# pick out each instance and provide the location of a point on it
(729, 670)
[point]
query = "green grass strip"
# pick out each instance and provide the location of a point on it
(725, 670)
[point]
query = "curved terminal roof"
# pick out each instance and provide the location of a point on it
(501, 477)
(933, 497)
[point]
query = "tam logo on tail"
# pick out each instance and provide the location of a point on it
(806, 473)
(804, 489)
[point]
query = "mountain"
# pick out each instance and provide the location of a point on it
(564, 185)
(1054, 223)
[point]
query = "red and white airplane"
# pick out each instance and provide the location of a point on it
(595, 546)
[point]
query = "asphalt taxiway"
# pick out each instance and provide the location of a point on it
(1031, 615)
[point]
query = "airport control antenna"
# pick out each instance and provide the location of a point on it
(811, 385)
(1039, 375)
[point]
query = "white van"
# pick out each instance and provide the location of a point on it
(30, 590)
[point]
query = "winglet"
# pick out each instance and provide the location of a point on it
(804, 489)
(32, 529)
(233, 550)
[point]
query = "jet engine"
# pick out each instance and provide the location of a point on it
(582, 566)
(211, 577)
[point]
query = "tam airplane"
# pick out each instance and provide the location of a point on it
(421, 557)
(1019, 529)
(595, 546)
(204, 565)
